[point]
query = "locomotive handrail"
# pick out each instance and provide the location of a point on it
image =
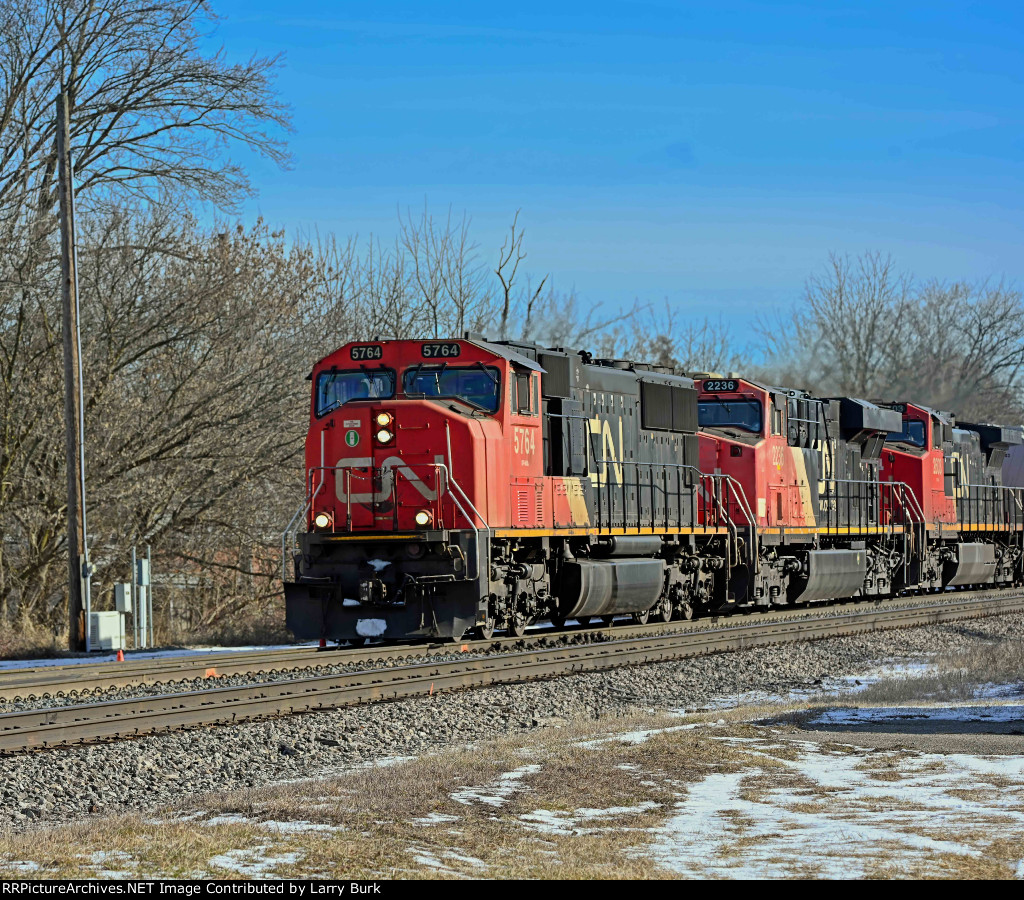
(305, 508)
(623, 485)
(741, 498)
(906, 492)
(882, 485)
(438, 468)
(981, 501)
(714, 496)
(300, 514)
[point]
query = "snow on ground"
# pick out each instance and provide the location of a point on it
(433, 818)
(254, 862)
(498, 791)
(950, 712)
(100, 861)
(845, 684)
(295, 827)
(19, 866)
(140, 655)
(434, 860)
(638, 737)
(548, 821)
(836, 814)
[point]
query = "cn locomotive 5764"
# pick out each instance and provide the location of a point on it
(467, 485)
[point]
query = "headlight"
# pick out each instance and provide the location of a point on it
(423, 517)
(322, 520)
(384, 436)
(384, 418)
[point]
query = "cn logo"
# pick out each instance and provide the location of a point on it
(359, 474)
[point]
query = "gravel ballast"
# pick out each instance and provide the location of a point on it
(161, 770)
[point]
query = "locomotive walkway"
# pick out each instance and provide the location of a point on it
(77, 723)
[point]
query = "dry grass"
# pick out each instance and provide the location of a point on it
(956, 676)
(30, 641)
(479, 812)
(407, 820)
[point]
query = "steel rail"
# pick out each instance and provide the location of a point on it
(88, 676)
(138, 716)
(72, 680)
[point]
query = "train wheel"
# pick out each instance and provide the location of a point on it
(583, 620)
(557, 620)
(641, 618)
(486, 630)
(686, 611)
(663, 611)
(607, 620)
(517, 625)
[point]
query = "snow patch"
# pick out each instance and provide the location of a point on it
(498, 791)
(132, 655)
(549, 821)
(846, 820)
(640, 737)
(253, 862)
(348, 601)
(433, 819)
(426, 858)
(1009, 712)
(99, 861)
(21, 866)
(227, 820)
(371, 627)
(300, 826)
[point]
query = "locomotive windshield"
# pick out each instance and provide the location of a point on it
(912, 433)
(336, 388)
(477, 385)
(721, 413)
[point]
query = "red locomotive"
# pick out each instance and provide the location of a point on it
(465, 485)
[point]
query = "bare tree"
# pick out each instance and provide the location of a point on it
(509, 258)
(656, 335)
(151, 115)
(193, 359)
(865, 329)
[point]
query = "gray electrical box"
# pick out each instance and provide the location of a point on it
(123, 597)
(142, 571)
(106, 631)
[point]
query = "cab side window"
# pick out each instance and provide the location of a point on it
(524, 394)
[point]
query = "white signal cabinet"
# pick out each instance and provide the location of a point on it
(106, 631)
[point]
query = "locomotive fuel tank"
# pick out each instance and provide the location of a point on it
(828, 574)
(973, 564)
(609, 587)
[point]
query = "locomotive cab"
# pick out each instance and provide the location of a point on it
(754, 434)
(921, 456)
(404, 443)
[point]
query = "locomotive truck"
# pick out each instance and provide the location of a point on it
(474, 485)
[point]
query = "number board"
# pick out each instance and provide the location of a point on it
(717, 386)
(368, 351)
(442, 350)
(899, 407)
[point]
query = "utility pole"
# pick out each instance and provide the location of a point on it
(78, 554)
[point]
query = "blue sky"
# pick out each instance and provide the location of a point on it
(712, 155)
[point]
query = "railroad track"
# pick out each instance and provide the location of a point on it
(80, 678)
(34, 729)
